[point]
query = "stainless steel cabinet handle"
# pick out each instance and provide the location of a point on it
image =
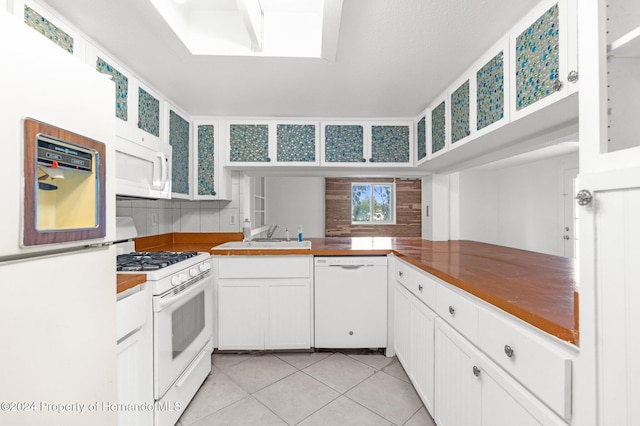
(351, 333)
(476, 371)
(420, 287)
(508, 350)
(400, 273)
(572, 77)
(452, 310)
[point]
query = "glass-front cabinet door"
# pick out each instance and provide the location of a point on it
(540, 57)
(439, 140)
(391, 144)
(421, 139)
(249, 143)
(492, 78)
(297, 143)
(343, 144)
(179, 137)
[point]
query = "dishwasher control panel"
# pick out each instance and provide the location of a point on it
(351, 261)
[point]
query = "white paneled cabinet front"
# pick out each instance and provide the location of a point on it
(414, 341)
(264, 302)
(135, 371)
(470, 390)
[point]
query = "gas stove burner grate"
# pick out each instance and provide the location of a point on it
(150, 261)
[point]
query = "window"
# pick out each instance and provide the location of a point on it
(372, 203)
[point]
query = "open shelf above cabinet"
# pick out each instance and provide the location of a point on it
(627, 46)
(559, 122)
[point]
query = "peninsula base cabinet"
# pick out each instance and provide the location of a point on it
(414, 341)
(264, 302)
(472, 364)
(471, 390)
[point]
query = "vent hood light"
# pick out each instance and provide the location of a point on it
(276, 28)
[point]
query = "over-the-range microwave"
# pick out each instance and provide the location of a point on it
(143, 169)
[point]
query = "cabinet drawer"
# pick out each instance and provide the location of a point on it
(264, 266)
(542, 368)
(130, 313)
(417, 282)
(458, 311)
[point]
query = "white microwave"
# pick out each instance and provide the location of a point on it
(143, 169)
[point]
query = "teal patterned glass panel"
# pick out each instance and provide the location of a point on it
(47, 29)
(206, 160)
(422, 138)
(343, 143)
(490, 92)
(179, 141)
(249, 143)
(296, 142)
(438, 128)
(148, 113)
(460, 125)
(390, 144)
(122, 87)
(537, 59)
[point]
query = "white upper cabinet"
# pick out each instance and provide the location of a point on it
(542, 63)
(367, 143)
(439, 136)
(297, 143)
(179, 137)
(211, 181)
(421, 129)
(282, 142)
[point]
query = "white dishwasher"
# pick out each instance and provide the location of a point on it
(351, 302)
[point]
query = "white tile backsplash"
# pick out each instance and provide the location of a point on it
(153, 217)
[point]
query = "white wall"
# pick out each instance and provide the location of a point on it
(293, 201)
(519, 206)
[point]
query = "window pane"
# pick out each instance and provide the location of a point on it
(361, 203)
(382, 203)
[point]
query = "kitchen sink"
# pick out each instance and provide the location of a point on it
(265, 245)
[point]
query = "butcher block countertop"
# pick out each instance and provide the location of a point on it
(127, 281)
(539, 289)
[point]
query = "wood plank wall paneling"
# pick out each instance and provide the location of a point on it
(338, 209)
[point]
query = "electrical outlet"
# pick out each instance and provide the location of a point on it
(233, 219)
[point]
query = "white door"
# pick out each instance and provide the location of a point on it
(607, 383)
(569, 220)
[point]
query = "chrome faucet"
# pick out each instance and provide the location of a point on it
(271, 230)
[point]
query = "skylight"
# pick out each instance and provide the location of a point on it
(283, 28)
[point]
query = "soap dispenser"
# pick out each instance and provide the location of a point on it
(246, 230)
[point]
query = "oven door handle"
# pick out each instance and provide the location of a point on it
(162, 302)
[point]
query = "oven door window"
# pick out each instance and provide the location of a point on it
(187, 322)
(182, 326)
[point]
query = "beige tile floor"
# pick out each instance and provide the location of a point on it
(320, 388)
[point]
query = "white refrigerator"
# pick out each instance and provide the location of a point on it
(58, 303)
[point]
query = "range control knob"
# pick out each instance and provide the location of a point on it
(202, 267)
(193, 272)
(183, 278)
(175, 280)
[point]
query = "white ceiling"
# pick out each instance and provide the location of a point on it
(393, 58)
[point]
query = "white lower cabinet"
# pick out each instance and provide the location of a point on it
(452, 347)
(135, 355)
(414, 341)
(264, 302)
(471, 390)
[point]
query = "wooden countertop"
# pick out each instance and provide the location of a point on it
(127, 281)
(539, 289)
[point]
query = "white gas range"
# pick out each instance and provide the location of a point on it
(182, 286)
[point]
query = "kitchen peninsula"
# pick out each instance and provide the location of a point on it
(537, 288)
